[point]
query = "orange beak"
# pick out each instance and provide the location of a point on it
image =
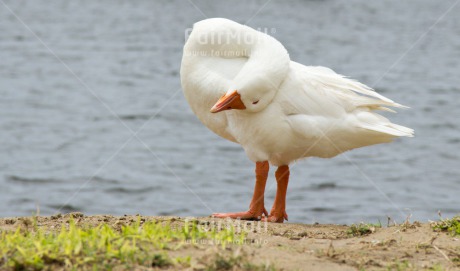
(227, 102)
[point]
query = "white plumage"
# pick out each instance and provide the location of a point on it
(292, 111)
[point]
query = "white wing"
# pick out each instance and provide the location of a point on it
(325, 106)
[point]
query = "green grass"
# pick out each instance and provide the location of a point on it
(404, 265)
(362, 229)
(77, 247)
(451, 226)
(221, 263)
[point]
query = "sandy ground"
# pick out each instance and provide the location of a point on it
(411, 246)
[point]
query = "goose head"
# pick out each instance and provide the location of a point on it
(254, 96)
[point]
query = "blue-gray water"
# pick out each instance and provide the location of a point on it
(63, 146)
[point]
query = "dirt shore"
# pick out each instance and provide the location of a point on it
(410, 246)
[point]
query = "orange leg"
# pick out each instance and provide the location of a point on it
(256, 208)
(278, 211)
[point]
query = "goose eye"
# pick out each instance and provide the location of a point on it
(255, 102)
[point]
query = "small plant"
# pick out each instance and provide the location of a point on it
(437, 267)
(400, 266)
(456, 261)
(451, 226)
(222, 263)
(160, 260)
(363, 229)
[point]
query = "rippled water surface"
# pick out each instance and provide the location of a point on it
(69, 68)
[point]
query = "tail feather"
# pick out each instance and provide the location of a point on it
(375, 122)
(390, 129)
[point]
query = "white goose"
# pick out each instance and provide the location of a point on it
(278, 110)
